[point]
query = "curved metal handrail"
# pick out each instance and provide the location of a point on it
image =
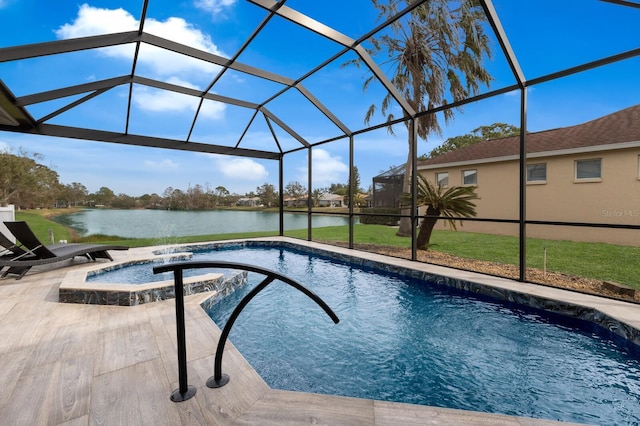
(219, 379)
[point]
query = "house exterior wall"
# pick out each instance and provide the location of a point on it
(613, 199)
(248, 202)
(331, 200)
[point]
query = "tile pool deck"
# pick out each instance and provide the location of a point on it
(73, 364)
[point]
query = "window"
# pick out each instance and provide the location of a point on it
(470, 177)
(537, 172)
(442, 179)
(589, 170)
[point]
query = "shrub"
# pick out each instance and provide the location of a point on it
(380, 220)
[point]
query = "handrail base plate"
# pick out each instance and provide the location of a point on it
(213, 383)
(178, 396)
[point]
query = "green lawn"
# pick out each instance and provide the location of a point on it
(593, 260)
(42, 227)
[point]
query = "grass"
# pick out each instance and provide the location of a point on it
(600, 261)
(592, 260)
(42, 226)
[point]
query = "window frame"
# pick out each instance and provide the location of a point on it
(577, 179)
(438, 180)
(475, 173)
(536, 181)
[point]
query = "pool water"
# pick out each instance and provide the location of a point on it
(413, 342)
(142, 272)
(410, 341)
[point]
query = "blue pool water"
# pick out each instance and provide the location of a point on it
(408, 341)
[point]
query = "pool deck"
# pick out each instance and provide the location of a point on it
(73, 364)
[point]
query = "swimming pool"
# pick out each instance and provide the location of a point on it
(406, 340)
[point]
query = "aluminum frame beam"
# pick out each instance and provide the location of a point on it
(623, 3)
(321, 29)
(507, 50)
(72, 90)
(286, 128)
(140, 140)
(36, 50)
(305, 21)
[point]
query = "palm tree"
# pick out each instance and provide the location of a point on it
(450, 203)
(437, 49)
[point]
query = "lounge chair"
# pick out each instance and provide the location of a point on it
(35, 253)
(8, 248)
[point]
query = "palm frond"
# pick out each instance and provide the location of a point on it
(453, 202)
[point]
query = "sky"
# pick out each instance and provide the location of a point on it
(547, 36)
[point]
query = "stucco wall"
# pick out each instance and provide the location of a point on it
(614, 199)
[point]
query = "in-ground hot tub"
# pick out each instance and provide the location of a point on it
(86, 286)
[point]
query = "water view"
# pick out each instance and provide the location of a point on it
(170, 223)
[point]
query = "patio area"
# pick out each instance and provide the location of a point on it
(73, 364)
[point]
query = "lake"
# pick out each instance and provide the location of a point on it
(170, 223)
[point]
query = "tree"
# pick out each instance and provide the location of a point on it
(151, 201)
(295, 190)
(355, 186)
(338, 189)
(47, 187)
(267, 194)
(316, 196)
(220, 194)
(103, 196)
(210, 198)
(437, 49)
(456, 201)
(176, 199)
(482, 133)
(356, 180)
(123, 201)
(195, 198)
(496, 131)
(73, 194)
(25, 182)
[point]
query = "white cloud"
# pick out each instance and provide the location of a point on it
(93, 21)
(243, 169)
(237, 77)
(212, 109)
(214, 6)
(166, 164)
(327, 169)
(162, 64)
(163, 100)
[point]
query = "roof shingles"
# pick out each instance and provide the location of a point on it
(619, 127)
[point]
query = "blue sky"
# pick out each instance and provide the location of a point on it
(546, 35)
